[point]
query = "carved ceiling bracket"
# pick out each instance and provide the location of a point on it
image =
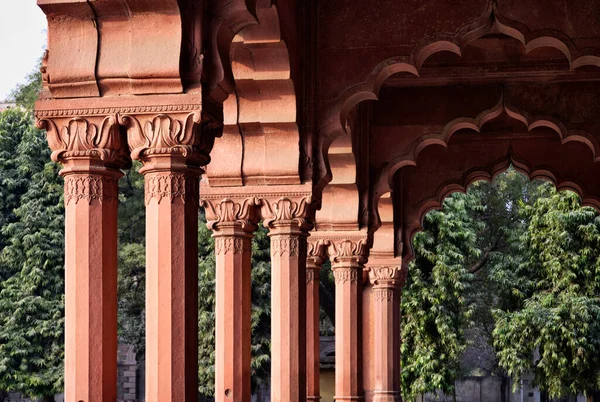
(115, 47)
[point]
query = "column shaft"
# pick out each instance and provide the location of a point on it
(348, 347)
(387, 281)
(233, 249)
(288, 314)
(387, 344)
(171, 285)
(91, 202)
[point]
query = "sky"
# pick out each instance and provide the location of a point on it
(22, 41)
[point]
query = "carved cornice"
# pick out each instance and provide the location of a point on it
(232, 245)
(90, 188)
(387, 275)
(117, 110)
(93, 137)
(171, 186)
(230, 212)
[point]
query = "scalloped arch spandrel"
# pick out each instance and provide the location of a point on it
(408, 157)
(333, 121)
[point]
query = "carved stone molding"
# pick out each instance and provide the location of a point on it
(387, 275)
(286, 246)
(90, 188)
(312, 275)
(386, 294)
(171, 186)
(230, 212)
(346, 275)
(93, 137)
(231, 245)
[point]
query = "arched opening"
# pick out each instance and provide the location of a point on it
(503, 290)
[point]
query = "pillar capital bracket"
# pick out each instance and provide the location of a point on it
(84, 141)
(316, 252)
(231, 213)
(289, 210)
(160, 134)
(387, 273)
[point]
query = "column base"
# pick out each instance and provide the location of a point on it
(387, 396)
(313, 398)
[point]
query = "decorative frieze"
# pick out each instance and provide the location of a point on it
(313, 275)
(90, 188)
(171, 186)
(385, 294)
(231, 245)
(346, 275)
(285, 246)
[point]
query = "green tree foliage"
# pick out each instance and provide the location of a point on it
(14, 126)
(26, 94)
(553, 330)
(434, 308)
(31, 263)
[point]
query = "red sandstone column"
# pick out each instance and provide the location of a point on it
(168, 145)
(289, 223)
(387, 281)
(314, 263)
(233, 223)
(347, 259)
(91, 159)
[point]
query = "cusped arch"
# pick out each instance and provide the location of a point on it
(476, 124)
(334, 123)
(487, 173)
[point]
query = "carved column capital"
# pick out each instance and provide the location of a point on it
(77, 137)
(289, 211)
(231, 212)
(316, 252)
(350, 249)
(388, 276)
(166, 133)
